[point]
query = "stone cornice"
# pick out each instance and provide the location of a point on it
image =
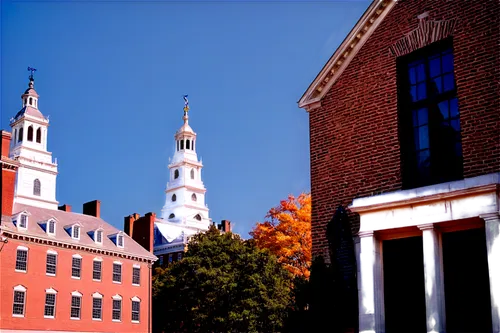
(192, 188)
(54, 242)
(27, 166)
(351, 45)
(37, 199)
(31, 119)
(33, 149)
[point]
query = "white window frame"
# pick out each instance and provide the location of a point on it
(19, 288)
(138, 300)
(136, 267)
(52, 252)
(79, 295)
(48, 227)
(100, 230)
(73, 231)
(18, 220)
(116, 298)
(76, 256)
(25, 249)
(118, 263)
(118, 237)
(96, 295)
(97, 259)
(50, 291)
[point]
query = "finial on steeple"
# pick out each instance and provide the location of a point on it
(186, 108)
(32, 70)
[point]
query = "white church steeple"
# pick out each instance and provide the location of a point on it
(36, 176)
(185, 192)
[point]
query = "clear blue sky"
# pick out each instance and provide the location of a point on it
(111, 75)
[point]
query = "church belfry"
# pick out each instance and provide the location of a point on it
(36, 177)
(185, 192)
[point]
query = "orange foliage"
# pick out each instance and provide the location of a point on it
(287, 234)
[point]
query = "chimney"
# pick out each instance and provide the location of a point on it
(225, 226)
(65, 208)
(128, 225)
(8, 180)
(92, 208)
(141, 229)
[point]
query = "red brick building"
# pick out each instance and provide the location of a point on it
(61, 271)
(404, 129)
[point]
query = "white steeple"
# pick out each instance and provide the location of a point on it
(185, 199)
(36, 176)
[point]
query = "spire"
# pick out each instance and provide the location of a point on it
(186, 109)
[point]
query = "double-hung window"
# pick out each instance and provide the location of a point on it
(97, 306)
(136, 275)
(76, 305)
(19, 301)
(22, 259)
(136, 309)
(117, 309)
(50, 304)
(76, 266)
(97, 270)
(51, 265)
(117, 272)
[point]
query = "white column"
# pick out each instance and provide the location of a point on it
(434, 282)
(371, 290)
(492, 228)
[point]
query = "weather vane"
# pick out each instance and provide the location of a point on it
(186, 104)
(32, 70)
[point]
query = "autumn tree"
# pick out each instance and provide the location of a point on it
(287, 234)
(222, 284)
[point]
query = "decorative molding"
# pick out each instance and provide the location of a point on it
(342, 57)
(363, 234)
(429, 226)
(490, 217)
(426, 33)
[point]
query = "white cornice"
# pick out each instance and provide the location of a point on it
(344, 54)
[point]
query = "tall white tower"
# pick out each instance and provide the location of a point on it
(185, 200)
(36, 176)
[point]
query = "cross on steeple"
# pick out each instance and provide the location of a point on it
(32, 70)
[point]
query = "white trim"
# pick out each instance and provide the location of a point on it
(20, 287)
(96, 295)
(136, 266)
(76, 293)
(102, 236)
(117, 297)
(117, 262)
(77, 256)
(97, 259)
(51, 252)
(135, 299)
(50, 291)
(135, 322)
(73, 230)
(48, 227)
(20, 247)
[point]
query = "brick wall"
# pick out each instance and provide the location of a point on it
(141, 229)
(354, 142)
(36, 282)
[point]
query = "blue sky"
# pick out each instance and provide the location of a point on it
(111, 76)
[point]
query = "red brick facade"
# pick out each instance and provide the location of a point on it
(354, 144)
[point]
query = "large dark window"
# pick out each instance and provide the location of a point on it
(429, 117)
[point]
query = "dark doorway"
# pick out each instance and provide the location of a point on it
(404, 289)
(466, 282)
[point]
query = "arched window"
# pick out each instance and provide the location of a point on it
(193, 197)
(187, 144)
(192, 145)
(182, 144)
(197, 217)
(31, 100)
(176, 173)
(30, 133)
(171, 216)
(15, 136)
(36, 187)
(39, 135)
(20, 138)
(192, 173)
(177, 145)
(25, 101)
(174, 197)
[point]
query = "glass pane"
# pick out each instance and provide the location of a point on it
(415, 118)
(455, 123)
(437, 86)
(422, 116)
(423, 137)
(420, 73)
(458, 149)
(443, 108)
(435, 66)
(423, 159)
(413, 92)
(453, 107)
(448, 62)
(413, 75)
(422, 93)
(449, 83)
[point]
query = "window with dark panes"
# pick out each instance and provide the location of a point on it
(23, 221)
(76, 303)
(52, 227)
(18, 305)
(76, 267)
(136, 275)
(96, 308)
(117, 309)
(22, 260)
(136, 308)
(50, 305)
(117, 273)
(429, 117)
(97, 270)
(50, 268)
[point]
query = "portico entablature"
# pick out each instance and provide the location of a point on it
(463, 199)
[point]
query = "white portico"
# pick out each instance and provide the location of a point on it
(429, 212)
(36, 176)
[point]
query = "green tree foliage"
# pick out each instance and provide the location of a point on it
(223, 284)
